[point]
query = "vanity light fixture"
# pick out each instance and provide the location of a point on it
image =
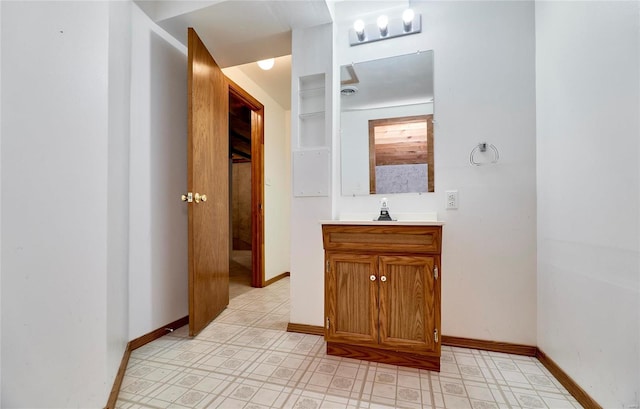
(385, 27)
(266, 64)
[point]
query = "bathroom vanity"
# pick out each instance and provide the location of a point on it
(382, 291)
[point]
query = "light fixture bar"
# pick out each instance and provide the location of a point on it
(396, 27)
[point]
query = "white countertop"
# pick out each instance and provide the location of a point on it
(383, 223)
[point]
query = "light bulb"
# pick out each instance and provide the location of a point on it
(383, 24)
(407, 19)
(358, 27)
(408, 15)
(266, 64)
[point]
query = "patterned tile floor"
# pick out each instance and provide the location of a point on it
(246, 359)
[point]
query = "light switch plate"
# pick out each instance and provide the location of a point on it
(452, 199)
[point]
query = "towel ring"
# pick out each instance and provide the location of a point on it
(482, 147)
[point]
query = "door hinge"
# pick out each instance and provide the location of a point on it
(327, 322)
(328, 264)
(435, 272)
(435, 335)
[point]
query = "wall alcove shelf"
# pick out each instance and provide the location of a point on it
(312, 111)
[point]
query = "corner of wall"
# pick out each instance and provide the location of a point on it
(119, 118)
(1, 309)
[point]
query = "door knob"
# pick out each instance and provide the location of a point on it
(198, 197)
(383, 278)
(372, 277)
(187, 198)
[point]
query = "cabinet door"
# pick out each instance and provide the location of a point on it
(351, 298)
(409, 302)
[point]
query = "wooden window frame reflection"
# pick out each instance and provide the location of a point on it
(373, 123)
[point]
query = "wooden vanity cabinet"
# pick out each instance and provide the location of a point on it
(382, 293)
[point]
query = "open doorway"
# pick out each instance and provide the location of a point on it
(246, 192)
(273, 90)
(240, 257)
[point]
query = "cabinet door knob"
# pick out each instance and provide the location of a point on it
(372, 277)
(383, 279)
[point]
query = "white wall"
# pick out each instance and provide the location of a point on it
(158, 277)
(588, 90)
(312, 53)
(277, 177)
(484, 91)
(60, 225)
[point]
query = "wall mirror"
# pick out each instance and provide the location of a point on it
(386, 125)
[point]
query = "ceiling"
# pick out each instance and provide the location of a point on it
(276, 82)
(240, 32)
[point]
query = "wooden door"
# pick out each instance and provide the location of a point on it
(351, 299)
(208, 174)
(408, 310)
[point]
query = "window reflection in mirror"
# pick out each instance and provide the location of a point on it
(401, 155)
(395, 87)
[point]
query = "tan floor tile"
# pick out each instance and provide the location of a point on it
(246, 359)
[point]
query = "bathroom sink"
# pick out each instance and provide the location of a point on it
(418, 219)
(400, 217)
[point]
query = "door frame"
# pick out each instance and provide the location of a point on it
(257, 181)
